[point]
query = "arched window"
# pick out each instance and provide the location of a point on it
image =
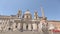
(15, 26)
(9, 28)
(27, 17)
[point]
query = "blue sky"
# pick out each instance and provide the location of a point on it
(51, 7)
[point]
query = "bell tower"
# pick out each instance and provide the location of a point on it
(19, 14)
(35, 14)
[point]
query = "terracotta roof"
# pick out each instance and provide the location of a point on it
(53, 21)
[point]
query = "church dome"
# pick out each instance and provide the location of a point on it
(27, 12)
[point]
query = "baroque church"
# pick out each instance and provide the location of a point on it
(25, 22)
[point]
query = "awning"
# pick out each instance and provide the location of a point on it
(55, 30)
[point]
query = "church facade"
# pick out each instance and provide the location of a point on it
(24, 22)
(21, 22)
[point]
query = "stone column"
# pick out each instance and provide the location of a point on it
(18, 26)
(40, 27)
(34, 26)
(24, 26)
(14, 26)
(29, 27)
(0, 27)
(6, 26)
